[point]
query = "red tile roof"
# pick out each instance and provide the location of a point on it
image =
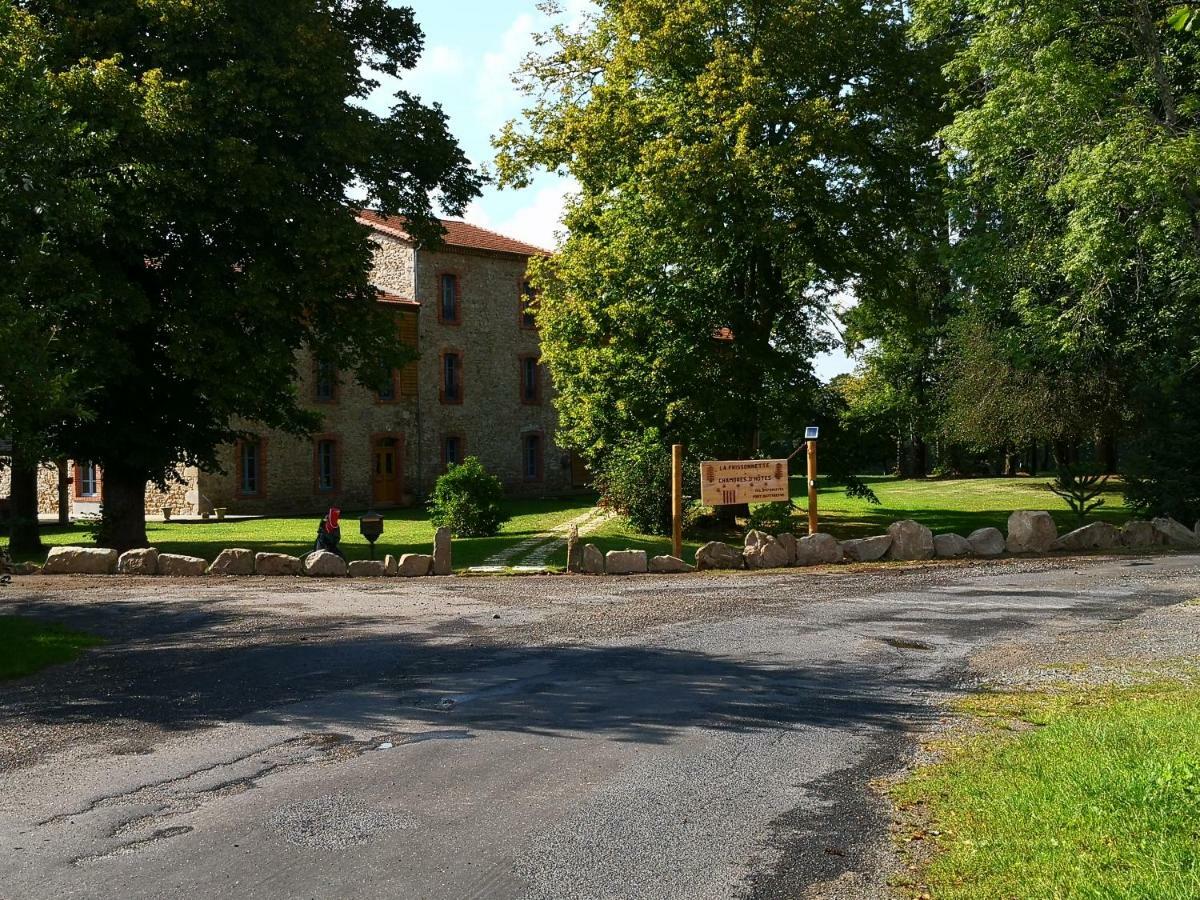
(456, 234)
(388, 297)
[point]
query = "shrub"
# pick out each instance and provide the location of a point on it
(634, 480)
(773, 518)
(467, 500)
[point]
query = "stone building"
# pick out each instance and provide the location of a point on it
(477, 388)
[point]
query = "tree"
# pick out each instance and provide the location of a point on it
(224, 139)
(735, 161)
(1073, 152)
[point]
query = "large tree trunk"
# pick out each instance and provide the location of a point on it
(124, 525)
(25, 536)
(1108, 453)
(64, 494)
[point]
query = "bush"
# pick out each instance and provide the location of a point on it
(634, 481)
(1162, 467)
(773, 518)
(467, 500)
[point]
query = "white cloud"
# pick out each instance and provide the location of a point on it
(538, 222)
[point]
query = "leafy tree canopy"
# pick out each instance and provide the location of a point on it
(205, 226)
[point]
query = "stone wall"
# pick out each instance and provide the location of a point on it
(174, 496)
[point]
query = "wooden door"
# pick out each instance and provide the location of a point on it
(386, 475)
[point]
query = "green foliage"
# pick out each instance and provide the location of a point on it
(1184, 18)
(1100, 801)
(1081, 489)
(773, 518)
(467, 500)
(727, 174)
(27, 645)
(635, 482)
(199, 217)
(1162, 475)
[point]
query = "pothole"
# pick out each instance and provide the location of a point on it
(905, 643)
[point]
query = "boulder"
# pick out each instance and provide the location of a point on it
(815, 549)
(1031, 531)
(143, 561)
(866, 549)
(1139, 533)
(671, 565)
(625, 562)
(323, 564)
(234, 561)
(591, 560)
(80, 561)
(574, 563)
(366, 568)
(788, 543)
(910, 540)
(441, 551)
(764, 552)
(718, 555)
(391, 566)
(1096, 536)
(178, 566)
(414, 565)
(986, 542)
(1175, 534)
(277, 564)
(951, 546)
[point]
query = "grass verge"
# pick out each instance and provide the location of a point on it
(1089, 792)
(27, 645)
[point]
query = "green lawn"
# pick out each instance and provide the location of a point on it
(27, 645)
(1101, 798)
(405, 531)
(959, 505)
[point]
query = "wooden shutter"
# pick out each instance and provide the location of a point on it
(408, 337)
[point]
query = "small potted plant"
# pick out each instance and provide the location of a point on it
(220, 511)
(167, 511)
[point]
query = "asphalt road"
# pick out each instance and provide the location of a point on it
(511, 738)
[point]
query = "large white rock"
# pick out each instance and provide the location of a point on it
(718, 555)
(591, 560)
(574, 550)
(1175, 534)
(625, 562)
(143, 561)
(277, 564)
(817, 549)
(391, 566)
(788, 543)
(1031, 531)
(441, 552)
(80, 561)
(234, 561)
(951, 546)
(415, 565)
(669, 565)
(1094, 536)
(868, 549)
(1139, 533)
(910, 540)
(762, 551)
(986, 542)
(367, 568)
(176, 565)
(323, 564)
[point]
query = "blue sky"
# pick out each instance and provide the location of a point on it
(471, 50)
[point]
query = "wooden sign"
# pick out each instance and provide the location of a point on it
(732, 481)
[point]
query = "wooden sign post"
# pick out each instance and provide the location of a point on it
(677, 500)
(810, 435)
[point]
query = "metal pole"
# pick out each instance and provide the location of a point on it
(812, 487)
(677, 499)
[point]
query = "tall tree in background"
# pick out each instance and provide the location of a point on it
(224, 137)
(735, 162)
(1075, 148)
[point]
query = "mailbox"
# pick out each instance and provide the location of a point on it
(370, 526)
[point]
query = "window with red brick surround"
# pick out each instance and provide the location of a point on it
(526, 306)
(251, 458)
(533, 455)
(325, 382)
(451, 382)
(531, 379)
(88, 482)
(327, 463)
(449, 298)
(454, 449)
